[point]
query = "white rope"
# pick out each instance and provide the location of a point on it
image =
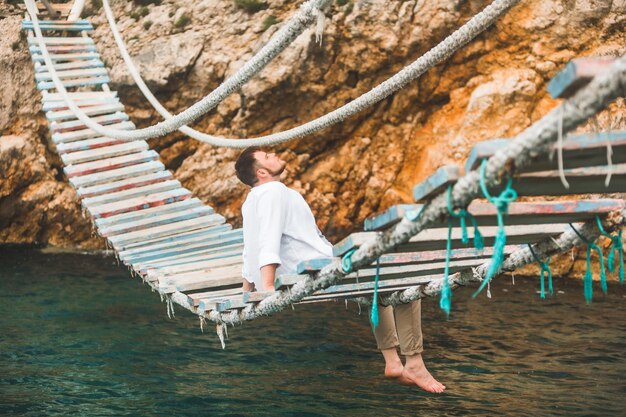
(436, 55)
(285, 36)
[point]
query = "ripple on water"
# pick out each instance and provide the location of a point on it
(78, 336)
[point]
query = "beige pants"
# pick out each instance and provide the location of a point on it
(400, 326)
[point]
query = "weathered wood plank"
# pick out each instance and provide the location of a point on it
(72, 73)
(87, 133)
(89, 107)
(118, 196)
(576, 74)
(87, 144)
(157, 220)
(256, 296)
(139, 203)
(108, 164)
(73, 125)
(78, 82)
(149, 212)
(581, 181)
(433, 239)
(67, 40)
(117, 174)
(75, 26)
(168, 229)
(217, 278)
(79, 95)
(210, 247)
(91, 63)
(183, 243)
(154, 268)
(389, 217)
(194, 298)
(439, 181)
(67, 57)
(63, 49)
(389, 259)
(215, 260)
(345, 290)
(104, 153)
(579, 151)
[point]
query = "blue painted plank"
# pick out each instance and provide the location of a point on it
(87, 133)
(150, 212)
(48, 85)
(576, 74)
(159, 187)
(89, 107)
(436, 183)
(66, 57)
(484, 150)
(63, 49)
(389, 217)
(83, 64)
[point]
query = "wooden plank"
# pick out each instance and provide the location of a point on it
(168, 229)
(436, 183)
(89, 107)
(233, 302)
(133, 204)
(79, 82)
(91, 63)
(287, 280)
(79, 95)
(72, 73)
(74, 125)
(117, 174)
(256, 296)
(154, 268)
(108, 164)
(345, 290)
(67, 40)
(87, 144)
(209, 247)
(215, 260)
(433, 239)
(67, 57)
(389, 217)
(104, 152)
(579, 151)
(581, 181)
(217, 278)
(76, 26)
(388, 259)
(149, 212)
(187, 242)
(87, 133)
(135, 192)
(576, 74)
(63, 49)
(194, 298)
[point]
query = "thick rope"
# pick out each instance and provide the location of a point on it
(534, 141)
(285, 36)
(436, 55)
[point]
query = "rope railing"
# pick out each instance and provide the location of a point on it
(533, 141)
(281, 39)
(436, 55)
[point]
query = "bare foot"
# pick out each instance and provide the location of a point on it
(394, 370)
(415, 373)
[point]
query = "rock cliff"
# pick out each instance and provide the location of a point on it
(494, 87)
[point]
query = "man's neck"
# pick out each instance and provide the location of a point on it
(265, 181)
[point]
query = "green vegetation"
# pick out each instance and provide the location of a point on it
(269, 21)
(342, 2)
(147, 24)
(146, 2)
(182, 21)
(140, 12)
(15, 45)
(251, 6)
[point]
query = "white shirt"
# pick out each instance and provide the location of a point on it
(278, 228)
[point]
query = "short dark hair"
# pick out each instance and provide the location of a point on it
(246, 166)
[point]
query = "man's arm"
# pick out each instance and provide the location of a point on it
(268, 275)
(270, 211)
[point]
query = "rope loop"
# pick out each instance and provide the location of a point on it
(502, 201)
(545, 271)
(346, 261)
(588, 280)
(616, 247)
(462, 214)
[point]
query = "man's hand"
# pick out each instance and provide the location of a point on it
(268, 274)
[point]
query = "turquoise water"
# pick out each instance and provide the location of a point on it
(79, 337)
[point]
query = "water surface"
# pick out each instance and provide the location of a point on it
(79, 337)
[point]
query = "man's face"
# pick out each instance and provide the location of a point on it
(270, 162)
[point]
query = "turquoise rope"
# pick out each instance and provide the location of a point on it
(445, 301)
(346, 261)
(545, 269)
(588, 280)
(374, 313)
(462, 215)
(616, 246)
(502, 204)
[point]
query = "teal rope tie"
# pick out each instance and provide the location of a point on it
(545, 269)
(445, 301)
(346, 261)
(502, 204)
(374, 313)
(616, 246)
(588, 280)
(463, 215)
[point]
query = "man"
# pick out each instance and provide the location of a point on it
(279, 231)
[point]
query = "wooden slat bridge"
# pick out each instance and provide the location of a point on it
(181, 247)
